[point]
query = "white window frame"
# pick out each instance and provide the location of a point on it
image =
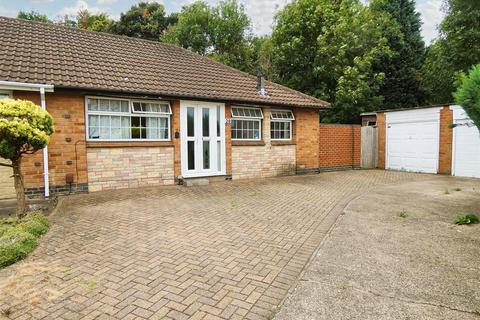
(247, 118)
(130, 114)
(150, 101)
(285, 120)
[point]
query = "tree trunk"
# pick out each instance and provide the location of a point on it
(19, 188)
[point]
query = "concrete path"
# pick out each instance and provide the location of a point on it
(231, 250)
(395, 254)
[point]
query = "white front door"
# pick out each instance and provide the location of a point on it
(202, 130)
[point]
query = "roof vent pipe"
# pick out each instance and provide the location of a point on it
(261, 84)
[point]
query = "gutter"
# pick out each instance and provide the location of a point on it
(41, 88)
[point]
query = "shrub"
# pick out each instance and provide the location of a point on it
(18, 237)
(15, 245)
(466, 219)
(468, 94)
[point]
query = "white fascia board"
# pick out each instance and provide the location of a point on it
(24, 86)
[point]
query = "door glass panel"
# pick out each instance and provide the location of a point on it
(219, 158)
(191, 155)
(206, 154)
(190, 121)
(206, 122)
(218, 121)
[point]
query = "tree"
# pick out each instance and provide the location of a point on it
(333, 50)
(24, 129)
(468, 94)
(401, 87)
(94, 22)
(146, 20)
(192, 29)
(456, 50)
(33, 15)
(220, 32)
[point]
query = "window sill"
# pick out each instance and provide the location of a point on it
(237, 143)
(283, 143)
(121, 144)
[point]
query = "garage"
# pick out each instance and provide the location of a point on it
(466, 145)
(412, 140)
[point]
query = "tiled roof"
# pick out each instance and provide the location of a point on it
(73, 58)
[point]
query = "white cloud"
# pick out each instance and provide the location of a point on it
(262, 14)
(77, 7)
(432, 15)
(106, 2)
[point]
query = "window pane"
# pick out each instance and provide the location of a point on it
(191, 155)
(93, 133)
(241, 112)
(92, 104)
(190, 122)
(206, 122)
(206, 154)
(219, 156)
(115, 106)
(103, 105)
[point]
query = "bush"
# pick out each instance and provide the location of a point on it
(18, 237)
(466, 219)
(15, 245)
(468, 94)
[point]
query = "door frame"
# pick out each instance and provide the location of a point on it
(183, 139)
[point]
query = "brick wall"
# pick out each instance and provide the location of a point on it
(446, 138)
(129, 167)
(67, 151)
(264, 158)
(176, 141)
(339, 146)
(382, 139)
(307, 122)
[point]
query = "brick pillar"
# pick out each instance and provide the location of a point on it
(446, 138)
(176, 141)
(382, 139)
(307, 123)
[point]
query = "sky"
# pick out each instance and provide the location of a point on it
(260, 11)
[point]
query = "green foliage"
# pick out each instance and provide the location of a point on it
(94, 22)
(468, 94)
(146, 20)
(24, 128)
(456, 51)
(33, 15)
(403, 214)
(333, 50)
(192, 29)
(219, 32)
(466, 219)
(18, 237)
(401, 88)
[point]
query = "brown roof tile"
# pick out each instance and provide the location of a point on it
(74, 58)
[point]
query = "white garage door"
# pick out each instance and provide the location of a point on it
(413, 140)
(466, 150)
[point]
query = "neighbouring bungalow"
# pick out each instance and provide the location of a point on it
(131, 112)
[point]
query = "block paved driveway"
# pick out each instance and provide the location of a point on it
(230, 250)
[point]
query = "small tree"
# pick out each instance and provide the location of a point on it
(468, 94)
(24, 129)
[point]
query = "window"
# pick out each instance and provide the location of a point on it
(246, 123)
(281, 124)
(122, 119)
(5, 94)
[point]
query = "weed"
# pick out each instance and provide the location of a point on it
(6, 312)
(403, 214)
(344, 285)
(446, 191)
(466, 219)
(457, 189)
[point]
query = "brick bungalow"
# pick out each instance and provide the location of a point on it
(131, 112)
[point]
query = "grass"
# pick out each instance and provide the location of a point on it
(19, 237)
(457, 189)
(446, 191)
(466, 219)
